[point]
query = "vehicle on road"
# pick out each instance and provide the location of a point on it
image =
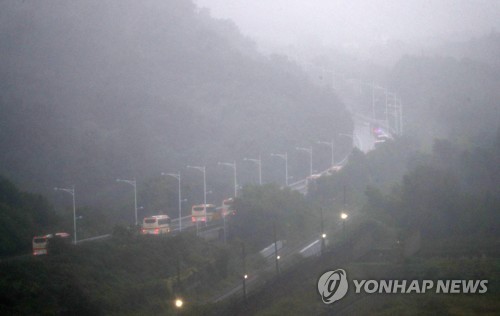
(228, 207)
(203, 213)
(156, 225)
(41, 243)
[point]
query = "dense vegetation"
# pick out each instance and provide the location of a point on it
(125, 275)
(129, 274)
(262, 207)
(91, 91)
(22, 215)
(449, 98)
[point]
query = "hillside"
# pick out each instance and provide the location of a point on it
(22, 215)
(92, 91)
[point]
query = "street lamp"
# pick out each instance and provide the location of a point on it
(72, 192)
(178, 177)
(179, 303)
(259, 164)
(232, 165)
(204, 171)
(310, 152)
(331, 144)
(344, 217)
(134, 184)
(284, 157)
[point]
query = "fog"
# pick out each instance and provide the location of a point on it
(356, 25)
(363, 134)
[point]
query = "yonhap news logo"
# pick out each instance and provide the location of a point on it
(333, 286)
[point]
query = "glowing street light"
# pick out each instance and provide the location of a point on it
(179, 303)
(344, 217)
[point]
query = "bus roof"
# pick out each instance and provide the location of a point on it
(158, 216)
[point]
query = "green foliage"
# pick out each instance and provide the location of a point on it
(22, 216)
(381, 168)
(449, 98)
(125, 275)
(260, 207)
(453, 194)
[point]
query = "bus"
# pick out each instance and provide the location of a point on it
(227, 207)
(203, 213)
(156, 225)
(41, 243)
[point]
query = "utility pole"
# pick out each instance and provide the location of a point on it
(323, 235)
(276, 256)
(245, 276)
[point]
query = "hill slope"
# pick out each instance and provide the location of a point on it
(91, 91)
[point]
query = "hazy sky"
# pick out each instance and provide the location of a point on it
(356, 22)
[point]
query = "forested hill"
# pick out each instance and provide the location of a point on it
(94, 90)
(22, 214)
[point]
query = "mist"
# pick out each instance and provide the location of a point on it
(356, 26)
(197, 157)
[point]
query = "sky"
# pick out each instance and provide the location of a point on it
(357, 22)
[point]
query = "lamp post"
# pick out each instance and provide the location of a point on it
(204, 171)
(178, 177)
(323, 235)
(259, 164)
(331, 144)
(72, 192)
(284, 157)
(343, 217)
(232, 165)
(134, 184)
(310, 152)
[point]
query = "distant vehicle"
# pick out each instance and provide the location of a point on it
(314, 176)
(334, 169)
(203, 213)
(384, 137)
(156, 225)
(378, 142)
(376, 130)
(228, 207)
(41, 243)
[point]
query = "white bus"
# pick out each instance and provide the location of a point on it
(41, 243)
(156, 225)
(203, 213)
(228, 207)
